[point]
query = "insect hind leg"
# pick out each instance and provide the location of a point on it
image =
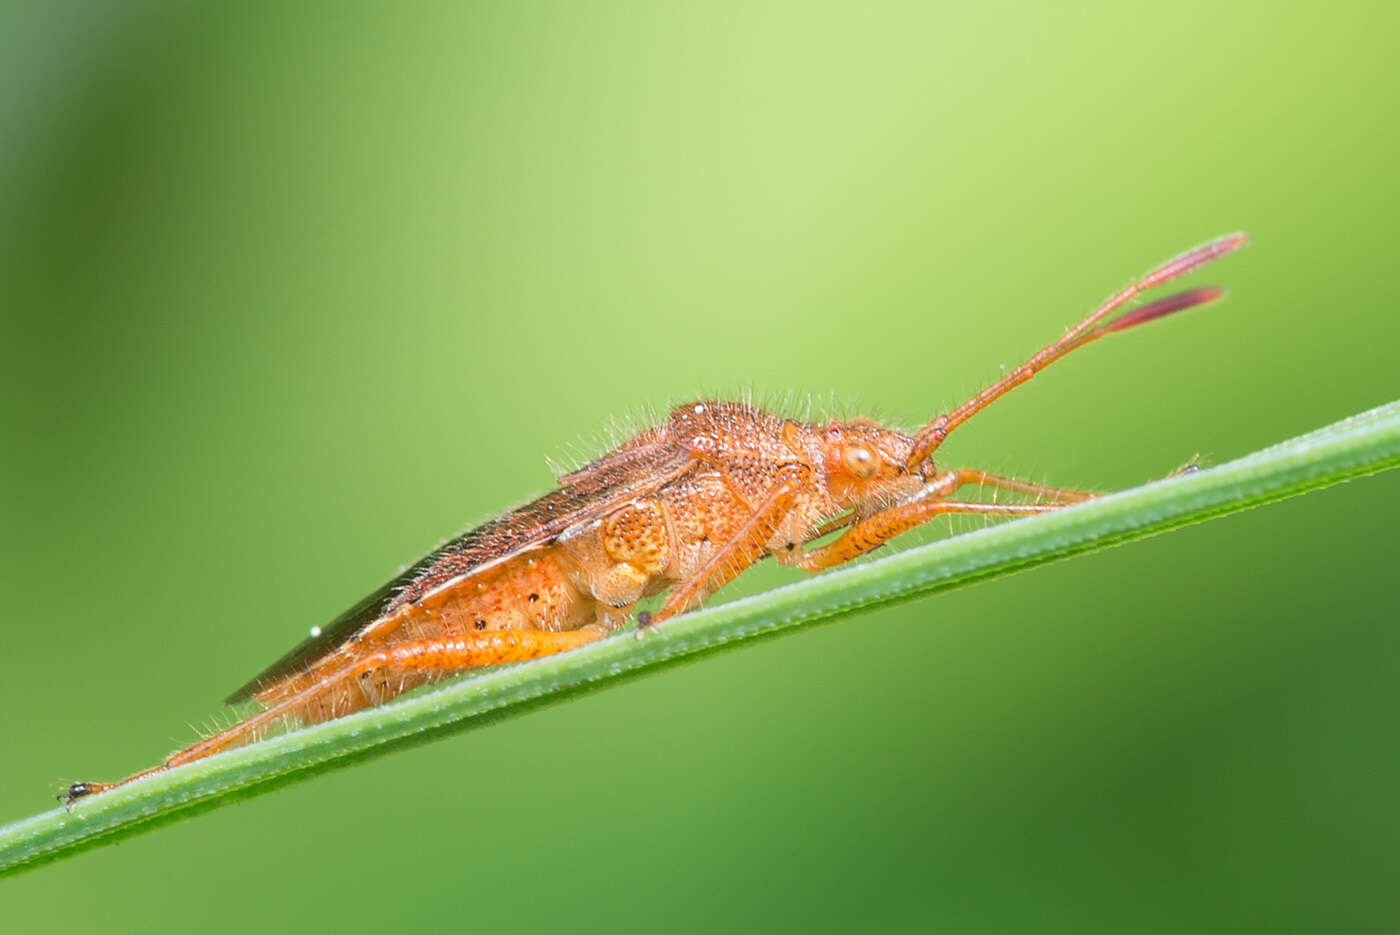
(439, 655)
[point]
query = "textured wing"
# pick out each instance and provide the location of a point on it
(584, 495)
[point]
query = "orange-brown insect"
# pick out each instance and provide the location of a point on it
(684, 506)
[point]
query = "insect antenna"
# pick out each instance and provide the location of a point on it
(928, 438)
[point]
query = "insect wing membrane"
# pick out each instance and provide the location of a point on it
(589, 494)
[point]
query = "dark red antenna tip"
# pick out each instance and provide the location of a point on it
(1160, 309)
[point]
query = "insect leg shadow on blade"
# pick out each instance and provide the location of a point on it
(683, 508)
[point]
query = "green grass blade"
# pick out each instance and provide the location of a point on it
(1363, 444)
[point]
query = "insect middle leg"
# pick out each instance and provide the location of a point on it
(874, 531)
(438, 655)
(744, 547)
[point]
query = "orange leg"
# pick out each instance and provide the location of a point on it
(948, 483)
(444, 654)
(747, 545)
(874, 531)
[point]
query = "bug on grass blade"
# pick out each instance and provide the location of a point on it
(682, 508)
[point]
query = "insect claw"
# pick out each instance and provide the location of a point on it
(1190, 467)
(80, 790)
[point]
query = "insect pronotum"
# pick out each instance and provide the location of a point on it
(682, 507)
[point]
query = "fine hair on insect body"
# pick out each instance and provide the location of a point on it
(679, 509)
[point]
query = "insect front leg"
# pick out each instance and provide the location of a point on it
(945, 484)
(949, 481)
(874, 531)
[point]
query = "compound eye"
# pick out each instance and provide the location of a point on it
(859, 461)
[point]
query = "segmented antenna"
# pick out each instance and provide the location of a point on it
(928, 438)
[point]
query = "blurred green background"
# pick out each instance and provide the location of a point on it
(292, 291)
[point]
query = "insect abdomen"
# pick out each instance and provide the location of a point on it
(530, 591)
